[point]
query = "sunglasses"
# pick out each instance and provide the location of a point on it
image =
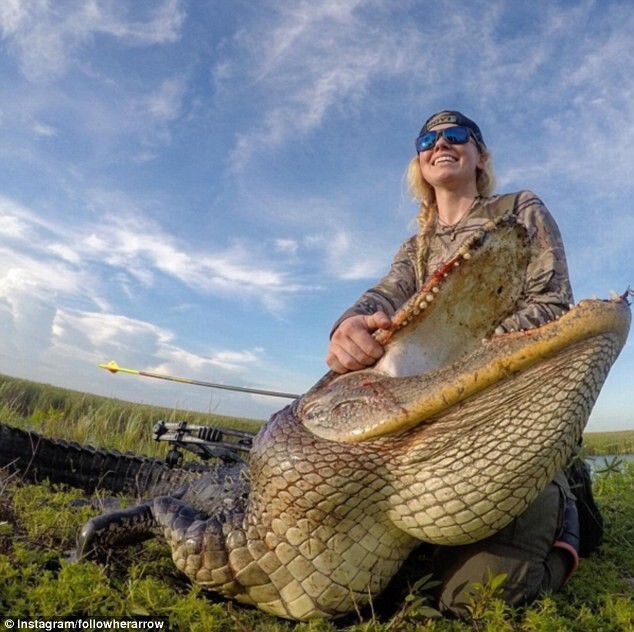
(457, 135)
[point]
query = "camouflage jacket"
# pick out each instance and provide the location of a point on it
(547, 292)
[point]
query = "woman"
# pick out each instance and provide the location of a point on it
(452, 178)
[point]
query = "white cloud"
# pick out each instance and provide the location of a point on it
(346, 256)
(71, 259)
(308, 62)
(12, 15)
(45, 39)
(41, 129)
(287, 246)
(12, 227)
(71, 343)
(16, 219)
(106, 334)
(165, 103)
(162, 24)
(79, 340)
(142, 249)
(179, 362)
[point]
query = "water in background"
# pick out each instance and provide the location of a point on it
(600, 462)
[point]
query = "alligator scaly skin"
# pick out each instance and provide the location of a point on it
(319, 526)
(342, 484)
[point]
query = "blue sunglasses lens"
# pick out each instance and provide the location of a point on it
(426, 141)
(457, 135)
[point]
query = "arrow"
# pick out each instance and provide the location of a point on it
(113, 367)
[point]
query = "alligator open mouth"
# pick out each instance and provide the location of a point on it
(441, 351)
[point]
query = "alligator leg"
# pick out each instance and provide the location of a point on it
(196, 541)
(200, 544)
(118, 528)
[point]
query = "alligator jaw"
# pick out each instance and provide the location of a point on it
(461, 304)
(362, 405)
(439, 353)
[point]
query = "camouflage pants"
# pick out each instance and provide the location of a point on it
(524, 550)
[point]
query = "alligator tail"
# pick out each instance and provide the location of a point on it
(85, 467)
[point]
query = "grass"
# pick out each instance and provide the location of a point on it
(38, 525)
(618, 442)
(99, 421)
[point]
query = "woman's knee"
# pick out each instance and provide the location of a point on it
(465, 567)
(522, 553)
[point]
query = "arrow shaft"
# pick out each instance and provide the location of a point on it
(113, 368)
(226, 387)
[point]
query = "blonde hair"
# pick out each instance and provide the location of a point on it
(424, 193)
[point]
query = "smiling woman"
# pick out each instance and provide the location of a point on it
(452, 179)
(255, 219)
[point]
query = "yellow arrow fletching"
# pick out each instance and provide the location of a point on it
(113, 367)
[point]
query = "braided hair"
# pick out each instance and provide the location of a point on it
(425, 194)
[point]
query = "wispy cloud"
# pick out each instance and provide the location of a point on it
(345, 256)
(165, 103)
(93, 107)
(178, 362)
(136, 250)
(109, 333)
(45, 39)
(309, 61)
(141, 249)
(80, 339)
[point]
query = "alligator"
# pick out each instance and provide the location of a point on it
(448, 438)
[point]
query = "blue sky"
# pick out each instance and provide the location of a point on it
(201, 188)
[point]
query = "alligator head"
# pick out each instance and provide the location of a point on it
(448, 438)
(476, 425)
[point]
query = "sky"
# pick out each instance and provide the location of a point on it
(201, 188)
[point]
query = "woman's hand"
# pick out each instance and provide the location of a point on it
(352, 346)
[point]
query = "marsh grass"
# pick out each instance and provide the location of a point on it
(38, 524)
(95, 420)
(617, 442)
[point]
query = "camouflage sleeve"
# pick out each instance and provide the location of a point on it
(547, 292)
(398, 285)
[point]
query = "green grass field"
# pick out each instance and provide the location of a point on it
(38, 526)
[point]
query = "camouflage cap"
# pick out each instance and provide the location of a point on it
(457, 118)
